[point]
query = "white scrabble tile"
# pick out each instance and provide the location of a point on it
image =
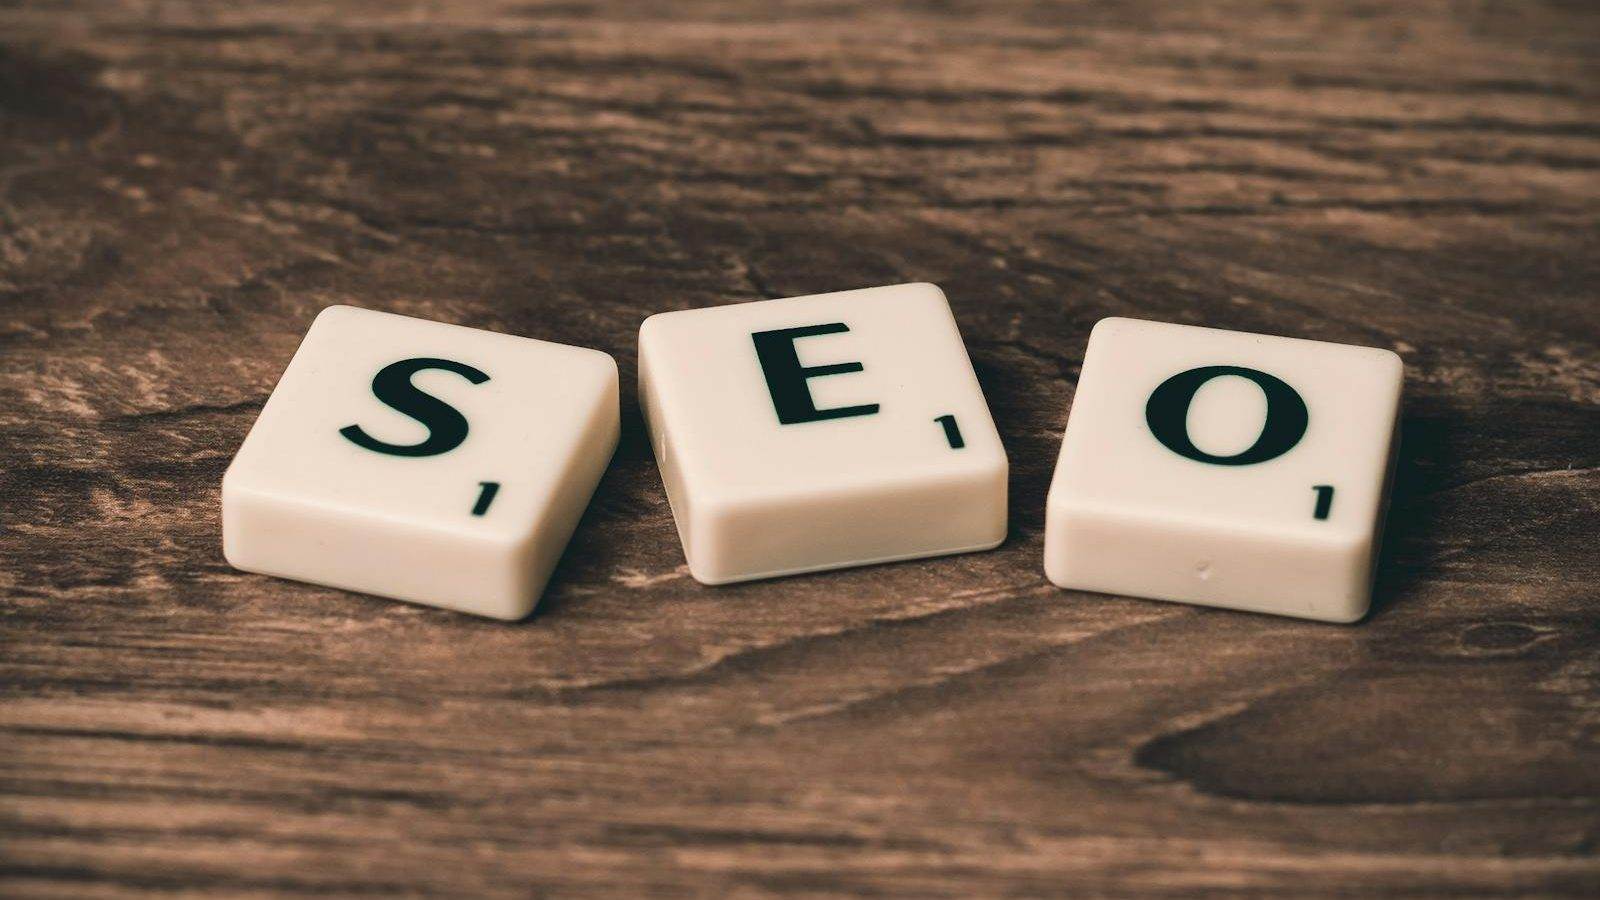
(1226, 469)
(821, 432)
(421, 461)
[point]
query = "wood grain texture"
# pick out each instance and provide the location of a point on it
(183, 185)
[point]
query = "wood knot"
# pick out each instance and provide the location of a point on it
(1499, 637)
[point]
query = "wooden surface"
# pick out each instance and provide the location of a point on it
(183, 186)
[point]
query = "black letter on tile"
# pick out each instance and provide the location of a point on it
(447, 428)
(1167, 414)
(786, 378)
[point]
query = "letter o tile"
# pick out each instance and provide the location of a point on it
(1155, 495)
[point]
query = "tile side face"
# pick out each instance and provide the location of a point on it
(421, 461)
(1224, 468)
(813, 432)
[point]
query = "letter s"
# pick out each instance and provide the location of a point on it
(447, 428)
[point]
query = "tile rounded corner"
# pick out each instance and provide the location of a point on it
(651, 327)
(928, 290)
(333, 313)
(1350, 610)
(514, 611)
(1110, 326)
(710, 576)
(1393, 364)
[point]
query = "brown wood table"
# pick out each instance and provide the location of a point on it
(184, 185)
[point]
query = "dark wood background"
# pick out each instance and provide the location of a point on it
(183, 186)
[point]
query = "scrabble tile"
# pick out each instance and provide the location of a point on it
(1226, 469)
(421, 461)
(820, 432)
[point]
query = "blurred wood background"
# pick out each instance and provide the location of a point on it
(183, 185)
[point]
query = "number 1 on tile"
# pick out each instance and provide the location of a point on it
(486, 492)
(952, 431)
(1324, 501)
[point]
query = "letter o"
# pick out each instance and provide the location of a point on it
(1167, 414)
